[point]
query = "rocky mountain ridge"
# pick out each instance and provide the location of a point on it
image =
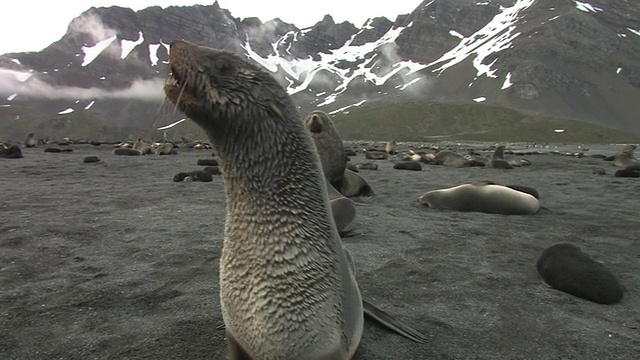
(565, 58)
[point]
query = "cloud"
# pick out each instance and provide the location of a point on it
(92, 25)
(34, 87)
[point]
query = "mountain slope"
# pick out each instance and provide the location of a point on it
(571, 59)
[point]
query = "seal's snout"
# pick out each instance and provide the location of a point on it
(315, 125)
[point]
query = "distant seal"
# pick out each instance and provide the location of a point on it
(624, 157)
(408, 165)
(367, 166)
(450, 158)
(207, 162)
(29, 142)
(565, 267)
(166, 149)
(498, 161)
(482, 197)
(375, 155)
(126, 152)
(91, 159)
(391, 147)
(333, 158)
(627, 173)
(10, 152)
(287, 285)
(328, 144)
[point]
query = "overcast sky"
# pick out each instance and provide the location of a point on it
(31, 25)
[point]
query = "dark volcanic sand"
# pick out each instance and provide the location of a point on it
(116, 261)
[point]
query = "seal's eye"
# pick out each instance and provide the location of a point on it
(222, 65)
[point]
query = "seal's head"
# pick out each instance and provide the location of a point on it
(213, 87)
(328, 144)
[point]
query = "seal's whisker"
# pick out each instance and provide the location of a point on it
(175, 108)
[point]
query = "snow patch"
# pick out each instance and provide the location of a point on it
(507, 82)
(456, 34)
(494, 37)
(637, 32)
(16, 61)
(153, 54)
(410, 83)
(559, 131)
(11, 97)
(480, 99)
(347, 107)
(172, 124)
(128, 45)
(586, 7)
(303, 71)
(89, 105)
(92, 52)
(66, 111)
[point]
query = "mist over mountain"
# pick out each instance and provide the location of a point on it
(561, 58)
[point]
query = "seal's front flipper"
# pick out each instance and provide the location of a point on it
(236, 352)
(392, 323)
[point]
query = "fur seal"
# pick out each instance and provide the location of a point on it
(91, 159)
(29, 142)
(328, 144)
(166, 149)
(367, 166)
(482, 197)
(498, 161)
(450, 158)
(391, 147)
(10, 152)
(333, 158)
(408, 165)
(627, 173)
(207, 162)
(287, 286)
(624, 157)
(565, 267)
(375, 155)
(126, 151)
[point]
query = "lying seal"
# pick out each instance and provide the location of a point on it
(408, 165)
(624, 157)
(166, 149)
(482, 197)
(343, 211)
(566, 268)
(375, 155)
(10, 152)
(126, 151)
(287, 286)
(450, 158)
(498, 161)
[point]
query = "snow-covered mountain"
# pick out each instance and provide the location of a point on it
(565, 58)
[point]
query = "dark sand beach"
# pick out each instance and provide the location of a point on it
(114, 260)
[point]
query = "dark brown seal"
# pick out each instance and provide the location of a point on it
(287, 285)
(566, 268)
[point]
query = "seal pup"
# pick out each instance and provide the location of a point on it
(287, 287)
(624, 157)
(328, 144)
(565, 267)
(391, 148)
(497, 159)
(29, 142)
(333, 158)
(482, 197)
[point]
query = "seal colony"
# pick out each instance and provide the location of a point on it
(287, 284)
